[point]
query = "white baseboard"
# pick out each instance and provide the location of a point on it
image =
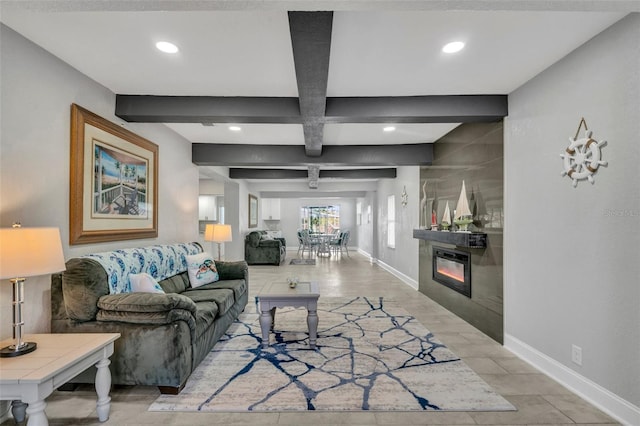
(367, 255)
(618, 408)
(404, 278)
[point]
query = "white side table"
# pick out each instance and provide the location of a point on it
(278, 295)
(30, 378)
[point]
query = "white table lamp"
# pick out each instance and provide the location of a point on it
(218, 233)
(27, 252)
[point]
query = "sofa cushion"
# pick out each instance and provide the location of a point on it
(175, 284)
(239, 287)
(202, 269)
(145, 302)
(222, 297)
(144, 283)
(206, 314)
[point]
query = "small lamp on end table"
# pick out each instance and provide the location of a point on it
(218, 233)
(27, 252)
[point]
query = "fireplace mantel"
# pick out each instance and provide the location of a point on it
(460, 239)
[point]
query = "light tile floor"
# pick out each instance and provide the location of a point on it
(539, 399)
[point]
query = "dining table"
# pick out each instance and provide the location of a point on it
(324, 243)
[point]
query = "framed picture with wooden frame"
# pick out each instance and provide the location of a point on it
(113, 182)
(253, 211)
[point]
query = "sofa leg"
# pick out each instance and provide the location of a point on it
(170, 390)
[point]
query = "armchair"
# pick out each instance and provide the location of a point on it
(261, 249)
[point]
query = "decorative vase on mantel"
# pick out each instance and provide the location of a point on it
(463, 217)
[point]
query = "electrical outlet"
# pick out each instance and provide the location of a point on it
(576, 354)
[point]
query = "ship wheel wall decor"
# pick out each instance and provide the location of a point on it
(582, 157)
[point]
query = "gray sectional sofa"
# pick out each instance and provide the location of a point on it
(163, 336)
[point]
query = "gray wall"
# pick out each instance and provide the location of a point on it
(572, 254)
(404, 257)
(234, 206)
(367, 232)
(473, 153)
(37, 90)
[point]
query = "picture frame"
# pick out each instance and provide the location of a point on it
(253, 211)
(113, 192)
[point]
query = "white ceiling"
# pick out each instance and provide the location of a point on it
(248, 53)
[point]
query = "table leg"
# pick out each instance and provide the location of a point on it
(312, 323)
(37, 416)
(273, 318)
(265, 323)
(18, 410)
(103, 385)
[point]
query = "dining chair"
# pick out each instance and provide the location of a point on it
(308, 243)
(345, 242)
(336, 242)
(300, 242)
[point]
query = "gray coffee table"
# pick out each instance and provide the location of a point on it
(279, 295)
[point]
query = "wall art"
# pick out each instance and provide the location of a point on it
(113, 182)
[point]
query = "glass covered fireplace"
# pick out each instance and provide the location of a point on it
(452, 268)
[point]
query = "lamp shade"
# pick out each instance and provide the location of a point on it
(217, 232)
(29, 252)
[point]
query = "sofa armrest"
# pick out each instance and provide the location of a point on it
(270, 243)
(157, 318)
(145, 303)
(237, 270)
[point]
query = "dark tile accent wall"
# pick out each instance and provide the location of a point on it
(474, 153)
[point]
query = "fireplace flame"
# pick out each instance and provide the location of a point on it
(451, 269)
(454, 275)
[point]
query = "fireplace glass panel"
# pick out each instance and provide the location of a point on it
(451, 269)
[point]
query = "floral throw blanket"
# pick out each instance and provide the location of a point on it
(159, 261)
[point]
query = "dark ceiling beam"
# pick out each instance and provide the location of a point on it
(242, 173)
(204, 154)
(316, 194)
(239, 173)
(389, 173)
(417, 109)
(403, 109)
(207, 109)
(311, 43)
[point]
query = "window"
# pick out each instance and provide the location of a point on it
(391, 221)
(320, 219)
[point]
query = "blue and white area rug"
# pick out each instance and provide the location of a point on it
(371, 355)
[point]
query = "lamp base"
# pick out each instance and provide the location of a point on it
(11, 350)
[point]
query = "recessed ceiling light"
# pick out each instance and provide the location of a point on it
(235, 128)
(453, 47)
(166, 47)
(389, 128)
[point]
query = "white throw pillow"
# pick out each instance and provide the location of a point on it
(144, 283)
(274, 234)
(201, 269)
